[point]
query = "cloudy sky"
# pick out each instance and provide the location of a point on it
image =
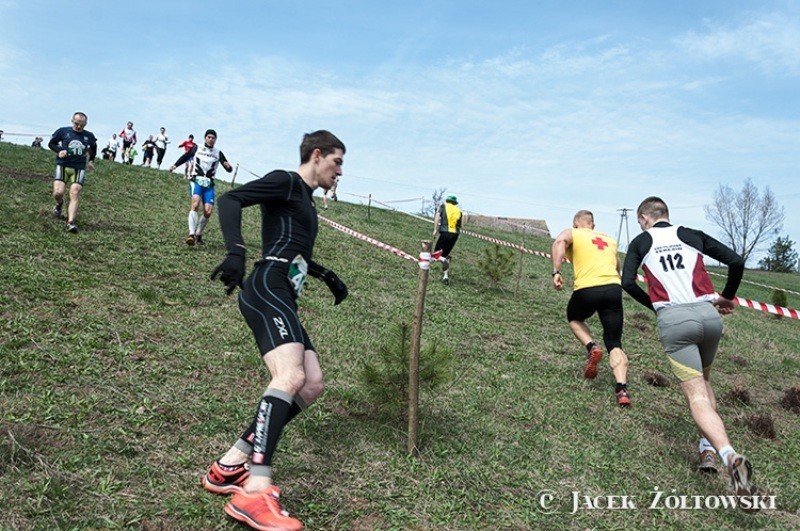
(521, 108)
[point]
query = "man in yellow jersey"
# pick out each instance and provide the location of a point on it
(447, 225)
(597, 288)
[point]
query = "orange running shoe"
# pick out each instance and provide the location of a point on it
(261, 510)
(623, 398)
(221, 481)
(592, 359)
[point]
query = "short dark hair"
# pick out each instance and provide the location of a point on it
(323, 140)
(583, 214)
(653, 206)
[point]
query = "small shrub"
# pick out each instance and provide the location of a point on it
(778, 298)
(497, 262)
(386, 379)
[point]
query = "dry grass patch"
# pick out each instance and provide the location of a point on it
(761, 425)
(655, 378)
(791, 400)
(738, 395)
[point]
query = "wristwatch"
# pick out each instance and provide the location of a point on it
(556, 273)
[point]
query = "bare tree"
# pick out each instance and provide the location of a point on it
(429, 207)
(747, 218)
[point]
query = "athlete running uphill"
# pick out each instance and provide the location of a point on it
(267, 301)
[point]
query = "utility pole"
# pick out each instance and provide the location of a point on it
(624, 217)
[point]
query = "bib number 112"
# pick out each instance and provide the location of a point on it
(671, 262)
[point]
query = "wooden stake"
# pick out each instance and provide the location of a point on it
(413, 364)
(521, 255)
(233, 181)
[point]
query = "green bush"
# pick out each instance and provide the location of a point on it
(778, 298)
(386, 380)
(497, 262)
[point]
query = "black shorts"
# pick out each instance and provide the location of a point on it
(160, 152)
(445, 243)
(607, 302)
(268, 304)
(126, 144)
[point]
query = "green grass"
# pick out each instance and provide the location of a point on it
(124, 372)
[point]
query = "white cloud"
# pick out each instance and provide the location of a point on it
(598, 123)
(771, 41)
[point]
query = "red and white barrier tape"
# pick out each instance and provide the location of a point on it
(741, 301)
(753, 305)
(424, 262)
(373, 241)
(509, 244)
(767, 308)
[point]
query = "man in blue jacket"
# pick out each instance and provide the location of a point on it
(73, 146)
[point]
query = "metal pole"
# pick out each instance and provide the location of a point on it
(627, 231)
(623, 217)
(369, 205)
(413, 363)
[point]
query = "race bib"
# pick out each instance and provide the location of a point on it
(205, 182)
(298, 270)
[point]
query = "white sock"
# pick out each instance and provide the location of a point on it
(705, 445)
(192, 222)
(202, 225)
(726, 453)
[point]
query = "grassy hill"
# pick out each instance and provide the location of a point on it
(124, 372)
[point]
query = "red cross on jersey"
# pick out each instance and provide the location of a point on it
(600, 243)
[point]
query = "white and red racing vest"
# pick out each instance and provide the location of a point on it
(674, 270)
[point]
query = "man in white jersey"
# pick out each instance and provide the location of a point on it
(682, 295)
(128, 136)
(161, 146)
(203, 171)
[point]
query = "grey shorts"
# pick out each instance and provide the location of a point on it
(690, 334)
(70, 175)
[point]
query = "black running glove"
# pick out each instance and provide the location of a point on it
(336, 286)
(330, 278)
(231, 270)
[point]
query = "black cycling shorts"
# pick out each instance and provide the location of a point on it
(607, 302)
(268, 304)
(445, 243)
